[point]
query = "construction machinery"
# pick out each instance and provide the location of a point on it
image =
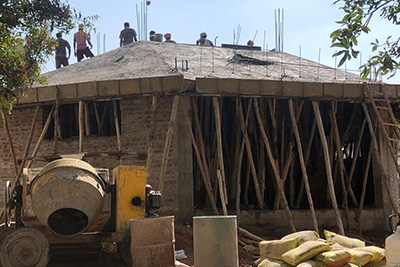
(67, 196)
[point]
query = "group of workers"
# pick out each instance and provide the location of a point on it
(127, 36)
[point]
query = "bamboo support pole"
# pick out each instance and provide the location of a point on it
(241, 152)
(168, 141)
(205, 175)
(116, 122)
(379, 160)
(80, 120)
(87, 120)
(10, 142)
(274, 168)
(250, 157)
(221, 193)
(37, 146)
(57, 127)
(328, 166)
(24, 156)
(355, 155)
(306, 159)
(303, 164)
(340, 157)
(150, 148)
(220, 154)
(364, 187)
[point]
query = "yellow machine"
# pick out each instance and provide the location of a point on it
(67, 195)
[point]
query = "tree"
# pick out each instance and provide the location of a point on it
(26, 42)
(355, 22)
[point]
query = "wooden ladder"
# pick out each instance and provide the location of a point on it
(381, 106)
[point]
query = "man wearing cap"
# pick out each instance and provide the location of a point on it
(152, 36)
(127, 35)
(203, 40)
(61, 54)
(167, 37)
(80, 47)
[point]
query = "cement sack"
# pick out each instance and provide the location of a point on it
(345, 241)
(275, 248)
(311, 263)
(303, 236)
(335, 258)
(380, 263)
(359, 257)
(305, 252)
(377, 253)
(266, 262)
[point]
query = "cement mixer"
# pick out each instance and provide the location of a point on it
(67, 195)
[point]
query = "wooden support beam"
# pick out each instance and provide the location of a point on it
(24, 156)
(168, 140)
(150, 148)
(303, 165)
(87, 120)
(221, 193)
(220, 154)
(250, 157)
(204, 174)
(274, 168)
(328, 166)
(364, 187)
(80, 120)
(10, 142)
(241, 152)
(340, 156)
(37, 146)
(116, 122)
(385, 181)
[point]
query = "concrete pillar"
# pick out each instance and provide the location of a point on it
(215, 241)
(185, 164)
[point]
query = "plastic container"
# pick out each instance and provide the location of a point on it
(392, 249)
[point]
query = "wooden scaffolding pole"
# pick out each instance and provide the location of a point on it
(302, 164)
(221, 193)
(241, 152)
(328, 165)
(117, 129)
(10, 142)
(274, 168)
(204, 173)
(168, 140)
(150, 148)
(37, 146)
(250, 157)
(364, 187)
(340, 156)
(80, 120)
(220, 153)
(379, 160)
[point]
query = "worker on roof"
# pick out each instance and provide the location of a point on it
(203, 40)
(152, 35)
(250, 43)
(127, 35)
(80, 47)
(167, 37)
(61, 54)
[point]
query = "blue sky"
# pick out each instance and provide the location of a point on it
(308, 23)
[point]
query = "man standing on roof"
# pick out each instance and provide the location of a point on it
(203, 40)
(167, 37)
(127, 35)
(80, 47)
(152, 35)
(61, 54)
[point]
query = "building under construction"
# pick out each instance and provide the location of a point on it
(276, 139)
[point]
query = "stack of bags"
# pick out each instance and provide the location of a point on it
(307, 249)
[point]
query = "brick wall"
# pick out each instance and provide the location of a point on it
(135, 131)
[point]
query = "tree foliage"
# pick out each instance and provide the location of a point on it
(355, 22)
(26, 41)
